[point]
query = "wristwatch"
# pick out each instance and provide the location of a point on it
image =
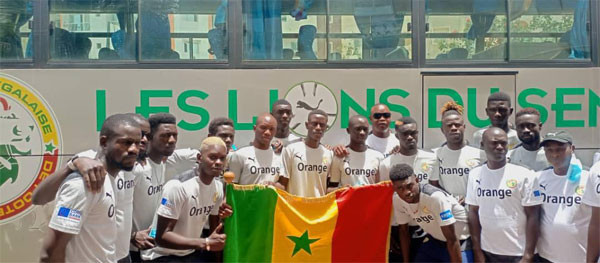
(70, 163)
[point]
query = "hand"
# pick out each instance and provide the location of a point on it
(340, 151)
(216, 241)
(225, 210)
(277, 146)
(92, 171)
(143, 240)
(274, 184)
(395, 150)
(526, 259)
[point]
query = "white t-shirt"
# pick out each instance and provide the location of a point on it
(564, 220)
(382, 145)
(90, 217)
(422, 163)
(513, 139)
(181, 161)
(255, 166)
(292, 138)
(501, 195)
(596, 158)
(591, 195)
(356, 169)
(452, 168)
(189, 202)
(533, 160)
(149, 180)
(306, 168)
(124, 186)
(434, 210)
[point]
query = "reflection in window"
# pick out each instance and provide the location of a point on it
(284, 30)
(369, 30)
(93, 29)
(466, 29)
(552, 29)
(183, 29)
(15, 33)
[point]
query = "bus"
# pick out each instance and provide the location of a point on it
(67, 64)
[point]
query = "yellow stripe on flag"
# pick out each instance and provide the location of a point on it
(303, 228)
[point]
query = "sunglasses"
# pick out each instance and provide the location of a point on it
(379, 115)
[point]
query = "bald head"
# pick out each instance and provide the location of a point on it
(264, 130)
(266, 118)
(494, 142)
(492, 132)
(356, 120)
(380, 107)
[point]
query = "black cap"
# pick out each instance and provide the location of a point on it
(558, 136)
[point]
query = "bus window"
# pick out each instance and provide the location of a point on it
(370, 30)
(92, 30)
(15, 31)
(284, 30)
(552, 29)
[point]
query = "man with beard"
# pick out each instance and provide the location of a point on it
(529, 153)
(504, 210)
(93, 174)
(455, 159)
(306, 164)
(282, 111)
(361, 165)
(257, 163)
(422, 162)
(563, 217)
(498, 110)
(382, 139)
(186, 206)
(83, 227)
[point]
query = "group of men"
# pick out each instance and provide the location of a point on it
(138, 198)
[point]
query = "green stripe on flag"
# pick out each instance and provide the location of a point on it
(250, 229)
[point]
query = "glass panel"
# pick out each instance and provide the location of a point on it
(284, 30)
(370, 30)
(92, 29)
(15, 34)
(183, 29)
(466, 29)
(550, 29)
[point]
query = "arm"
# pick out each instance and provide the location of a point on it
(404, 241)
(54, 246)
(475, 230)
(452, 243)
(165, 237)
(593, 245)
(46, 191)
(435, 183)
(142, 239)
(532, 231)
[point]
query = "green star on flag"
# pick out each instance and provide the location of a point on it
(302, 242)
(50, 147)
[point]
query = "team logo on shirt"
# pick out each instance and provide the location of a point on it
(512, 183)
(215, 196)
(426, 167)
(472, 162)
(426, 210)
(28, 128)
(579, 190)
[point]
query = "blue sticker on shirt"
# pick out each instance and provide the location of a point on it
(536, 193)
(446, 215)
(69, 213)
(164, 201)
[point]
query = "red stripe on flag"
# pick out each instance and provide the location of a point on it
(363, 224)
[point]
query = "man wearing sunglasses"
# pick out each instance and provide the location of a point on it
(381, 139)
(498, 110)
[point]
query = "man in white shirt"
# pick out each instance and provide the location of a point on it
(498, 110)
(83, 227)
(504, 212)
(306, 164)
(187, 205)
(529, 153)
(564, 218)
(282, 111)
(381, 139)
(437, 212)
(591, 198)
(361, 165)
(455, 159)
(257, 163)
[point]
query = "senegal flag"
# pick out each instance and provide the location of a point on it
(271, 225)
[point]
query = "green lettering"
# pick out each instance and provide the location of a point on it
(560, 107)
(384, 98)
(6, 87)
(233, 113)
(184, 106)
(432, 108)
(594, 104)
(522, 100)
(273, 97)
(472, 108)
(347, 102)
(145, 95)
(100, 108)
